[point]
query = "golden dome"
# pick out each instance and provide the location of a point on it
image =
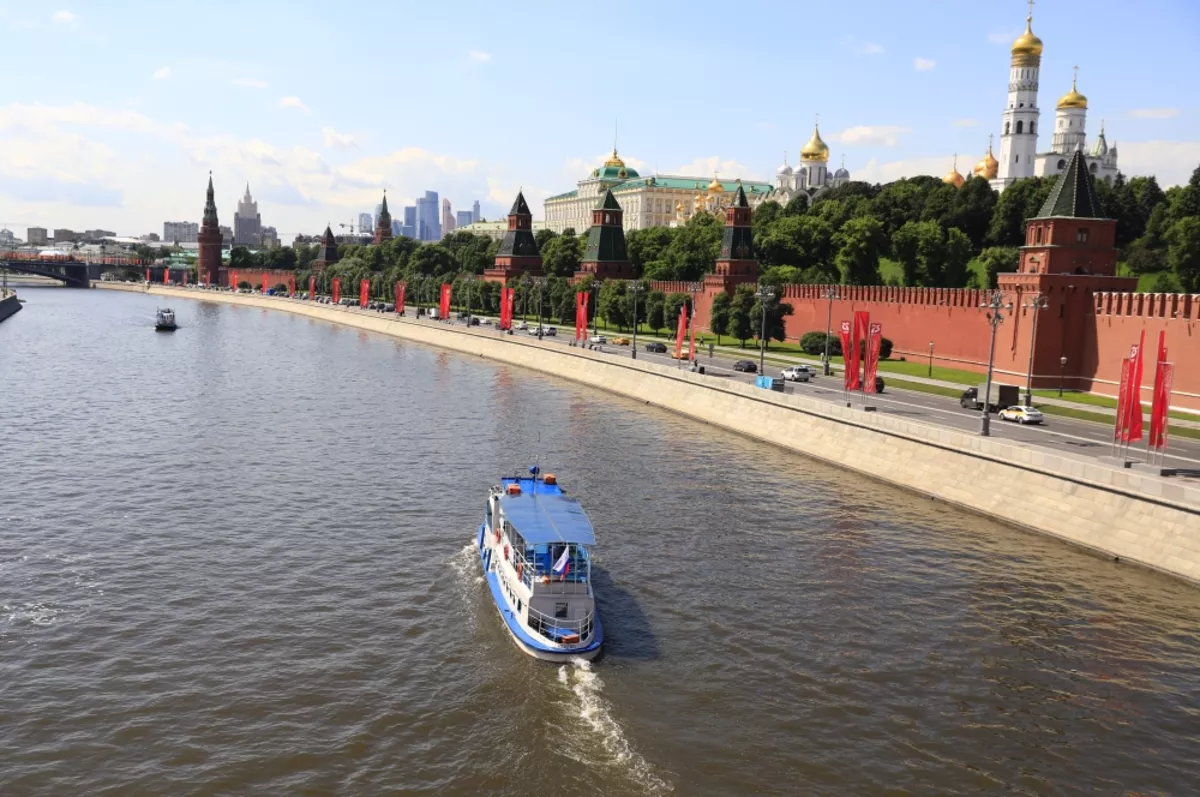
(614, 160)
(953, 177)
(679, 207)
(715, 187)
(1072, 99)
(815, 149)
(1027, 43)
(988, 167)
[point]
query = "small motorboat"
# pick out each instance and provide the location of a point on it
(164, 321)
(535, 548)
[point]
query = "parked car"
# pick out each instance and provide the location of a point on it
(797, 373)
(621, 341)
(551, 332)
(473, 321)
(521, 325)
(596, 339)
(879, 384)
(1022, 414)
(656, 347)
(746, 366)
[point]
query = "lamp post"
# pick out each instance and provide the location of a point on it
(995, 316)
(829, 294)
(1035, 304)
(1062, 373)
(930, 374)
(636, 288)
(467, 286)
(540, 331)
(595, 306)
(764, 295)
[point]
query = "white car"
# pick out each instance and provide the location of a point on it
(521, 325)
(597, 339)
(797, 373)
(1022, 414)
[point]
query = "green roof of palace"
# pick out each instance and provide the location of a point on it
(1073, 195)
(677, 184)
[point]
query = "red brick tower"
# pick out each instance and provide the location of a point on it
(208, 261)
(328, 254)
(605, 256)
(518, 253)
(383, 226)
(736, 263)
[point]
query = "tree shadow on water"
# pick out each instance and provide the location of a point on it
(627, 631)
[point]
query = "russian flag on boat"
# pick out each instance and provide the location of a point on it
(563, 565)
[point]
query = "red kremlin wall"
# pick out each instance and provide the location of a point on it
(1093, 329)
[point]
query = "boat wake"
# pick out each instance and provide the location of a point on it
(588, 705)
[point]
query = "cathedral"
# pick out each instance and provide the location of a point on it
(811, 177)
(1019, 156)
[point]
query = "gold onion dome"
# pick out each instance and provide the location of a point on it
(715, 187)
(953, 177)
(815, 149)
(1027, 43)
(1072, 99)
(988, 167)
(615, 160)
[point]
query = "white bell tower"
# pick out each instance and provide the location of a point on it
(1018, 133)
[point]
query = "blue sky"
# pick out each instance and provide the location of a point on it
(115, 112)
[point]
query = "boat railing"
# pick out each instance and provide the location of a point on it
(557, 629)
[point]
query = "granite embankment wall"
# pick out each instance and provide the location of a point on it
(9, 306)
(1115, 512)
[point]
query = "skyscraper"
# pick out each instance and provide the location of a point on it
(429, 225)
(247, 223)
(409, 229)
(366, 222)
(475, 211)
(463, 217)
(447, 218)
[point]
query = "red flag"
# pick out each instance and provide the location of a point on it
(166, 275)
(510, 307)
(504, 319)
(680, 332)
(312, 289)
(862, 323)
(147, 275)
(444, 308)
(400, 286)
(233, 280)
(291, 286)
(1134, 426)
(364, 292)
(337, 289)
(581, 309)
(1159, 405)
(874, 342)
(850, 375)
(1165, 384)
(1123, 402)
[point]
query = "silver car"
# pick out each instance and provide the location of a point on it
(797, 373)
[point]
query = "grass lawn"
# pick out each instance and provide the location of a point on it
(1107, 402)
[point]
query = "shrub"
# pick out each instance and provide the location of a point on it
(814, 343)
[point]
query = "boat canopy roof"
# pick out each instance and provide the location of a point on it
(542, 515)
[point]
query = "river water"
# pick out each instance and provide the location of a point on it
(236, 560)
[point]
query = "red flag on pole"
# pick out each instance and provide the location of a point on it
(147, 275)
(291, 286)
(166, 275)
(1134, 426)
(337, 289)
(312, 289)
(1164, 387)
(1122, 402)
(849, 375)
(400, 286)
(581, 315)
(233, 280)
(444, 307)
(862, 323)
(874, 343)
(680, 331)
(364, 292)
(512, 306)
(505, 309)
(1158, 406)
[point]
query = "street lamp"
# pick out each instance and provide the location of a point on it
(829, 294)
(764, 295)
(995, 316)
(636, 288)
(930, 374)
(1035, 304)
(467, 285)
(540, 331)
(1062, 373)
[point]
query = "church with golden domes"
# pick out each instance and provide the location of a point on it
(812, 176)
(1019, 156)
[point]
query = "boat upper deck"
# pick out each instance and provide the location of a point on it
(543, 515)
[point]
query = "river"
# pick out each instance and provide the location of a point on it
(236, 560)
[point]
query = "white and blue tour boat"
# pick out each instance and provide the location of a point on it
(534, 545)
(164, 320)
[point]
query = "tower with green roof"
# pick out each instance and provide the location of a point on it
(383, 226)
(1069, 234)
(518, 253)
(605, 256)
(327, 255)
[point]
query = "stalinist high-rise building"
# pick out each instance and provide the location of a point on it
(1019, 156)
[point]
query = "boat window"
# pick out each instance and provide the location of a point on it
(560, 611)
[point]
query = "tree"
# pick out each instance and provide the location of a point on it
(693, 250)
(562, 255)
(957, 257)
(801, 241)
(1020, 201)
(740, 325)
(776, 312)
(430, 260)
(655, 309)
(646, 246)
(634, 303)
(719, 315)
(675, 302)
(1183, 251)
(860, 243)
(1188, 202)
(999, 260)
(543, 236)
(1140, 260)
(911, 244)
(240, 257)
(612, 304)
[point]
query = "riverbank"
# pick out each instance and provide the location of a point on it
(9, 306)
(1115, 512)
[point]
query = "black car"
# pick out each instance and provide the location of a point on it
(657, 348)
(879, 384)
(746, 366)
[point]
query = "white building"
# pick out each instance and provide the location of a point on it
(183, 232)
(496, 229)
(1019, 155)
(811, 177)
(247, 222)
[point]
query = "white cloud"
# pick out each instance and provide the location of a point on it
(924, 64)
(63, 17)
(713, 165)
(577, 167)
(876, 172)
(249, 83)
(479, 55)
(872, 136)
(336, 140)
(1171, 162)
(293, 102)
(162, 73)
(1154, 113)
(966, 123)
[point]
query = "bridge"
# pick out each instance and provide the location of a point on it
(75, 271)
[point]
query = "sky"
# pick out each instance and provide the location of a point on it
(116, 112)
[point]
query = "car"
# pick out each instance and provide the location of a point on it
(797, 373)
(551, 332)
(621, 341)
(521, 325)
(596, 339)
(879, 384)
(656, 347)
(746, 366)
(473, 321)
(1022, 414)
(487, 322)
